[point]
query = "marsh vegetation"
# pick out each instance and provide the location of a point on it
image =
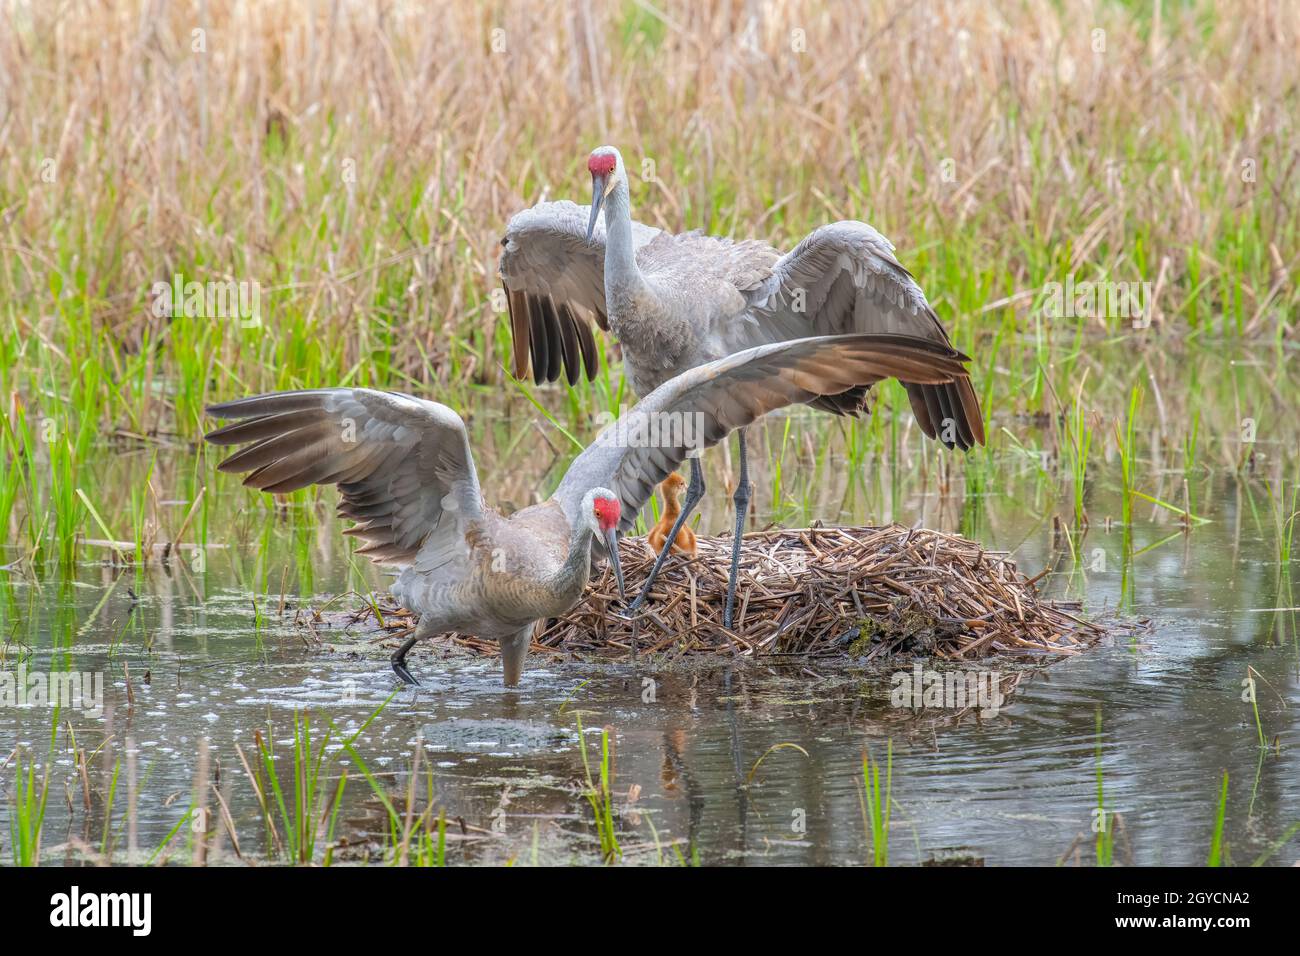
(1100, 200)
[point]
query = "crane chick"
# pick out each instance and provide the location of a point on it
(672, 488)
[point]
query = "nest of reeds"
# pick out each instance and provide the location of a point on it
(861, 594)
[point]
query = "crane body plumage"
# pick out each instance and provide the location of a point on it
(471, 595)
(675, 301)
(407, 476)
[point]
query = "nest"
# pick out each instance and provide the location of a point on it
(861, 593)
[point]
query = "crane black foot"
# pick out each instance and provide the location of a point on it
(399, 668)
(629, 612)
(398, 659)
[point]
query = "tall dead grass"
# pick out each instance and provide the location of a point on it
(360, 159)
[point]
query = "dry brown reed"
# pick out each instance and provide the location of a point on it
(359, 159)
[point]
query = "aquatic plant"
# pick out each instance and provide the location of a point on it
(27, 812)
(311, 813)
(877, 805)
(1103, 822)
(1218, 852)
(599, 797)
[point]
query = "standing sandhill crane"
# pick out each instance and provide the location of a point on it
(407, 476)
(678, 301)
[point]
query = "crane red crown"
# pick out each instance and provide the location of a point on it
(600, 164)
(607, 512)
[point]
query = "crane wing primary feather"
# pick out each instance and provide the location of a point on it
(844, 278)
(403, 465)
(554, 279)
(701, 406)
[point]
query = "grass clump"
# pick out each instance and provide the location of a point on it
(307, 806)
(27, 813)
(600, 797)
(877, 803)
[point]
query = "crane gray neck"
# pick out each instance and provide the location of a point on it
(621, 273)
(572, 576)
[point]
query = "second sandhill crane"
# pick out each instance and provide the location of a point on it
(678, 301)
(407, 477)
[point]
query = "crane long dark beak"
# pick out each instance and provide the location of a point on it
(597, 200)
(611, 542)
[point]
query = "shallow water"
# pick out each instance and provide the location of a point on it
(211, 654)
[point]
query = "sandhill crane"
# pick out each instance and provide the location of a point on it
(407, 476)
(677, 301)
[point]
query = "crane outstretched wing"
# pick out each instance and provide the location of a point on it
(554, 279)
(844, 278)
(701, 406)
(403, 465)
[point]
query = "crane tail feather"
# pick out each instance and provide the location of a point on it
(554, 339)
(519, 332)
(569, 340)
(537, 342)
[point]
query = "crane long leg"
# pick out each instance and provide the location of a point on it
(399, 656)
(694, 492)
(741, 499)
(513, 651)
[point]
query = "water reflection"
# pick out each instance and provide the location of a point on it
(217, 655)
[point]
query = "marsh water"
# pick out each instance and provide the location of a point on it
(218, 650)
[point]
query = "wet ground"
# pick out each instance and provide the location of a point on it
(215, 654)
